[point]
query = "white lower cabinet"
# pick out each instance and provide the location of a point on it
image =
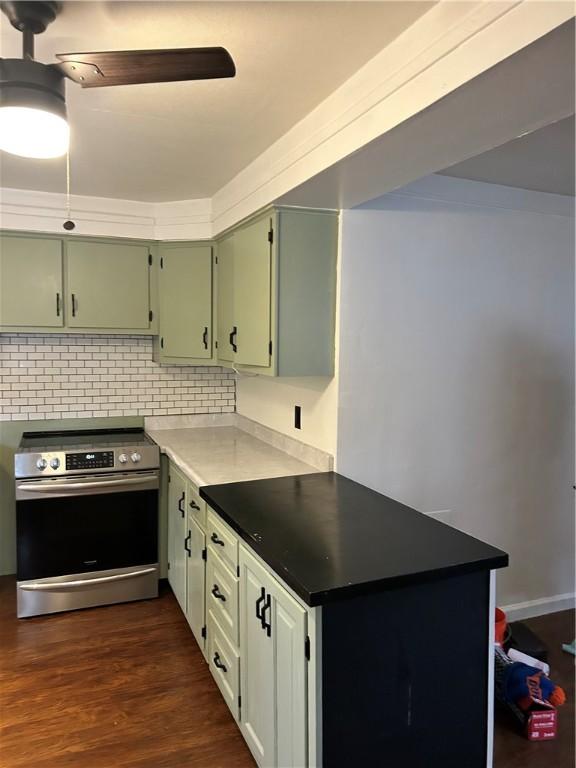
(224, 662)
(177, 535)
(273, 681)
(195, 579)
(252, 631)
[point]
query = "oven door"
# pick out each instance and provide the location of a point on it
(86, 524)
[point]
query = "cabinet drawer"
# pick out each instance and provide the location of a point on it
(222, 596)
(223, 540)
(224, 662)
(196, 506)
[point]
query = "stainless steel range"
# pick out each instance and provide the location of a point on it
(87, 519)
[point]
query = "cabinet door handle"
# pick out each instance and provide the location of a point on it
(181, 502)
(217, 594)
(218, 663)
(205, 338)
(57, 305)
(186, 540)
(216, 540)
(259, 613)
(193, 505)
(74, 305)
(265, 625)
(233, 334)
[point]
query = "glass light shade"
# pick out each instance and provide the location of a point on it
(31, 132)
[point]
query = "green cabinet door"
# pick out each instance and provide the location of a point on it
(108, 285)
(31, 282)
(252, 293)
(225, 299)
(186, 301)
(177, 535)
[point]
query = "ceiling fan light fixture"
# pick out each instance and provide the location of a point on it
(33, 120)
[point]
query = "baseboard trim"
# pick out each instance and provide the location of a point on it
(540, 607)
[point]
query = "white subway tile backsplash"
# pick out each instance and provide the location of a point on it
(65, 376)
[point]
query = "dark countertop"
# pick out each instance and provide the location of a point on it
(328, 537)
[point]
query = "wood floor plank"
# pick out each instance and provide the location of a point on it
(123, 686)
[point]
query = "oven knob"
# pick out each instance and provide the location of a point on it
(135, 457)
(41, 464)
(122, 458)
(54, 463)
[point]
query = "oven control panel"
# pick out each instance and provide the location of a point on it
(90, 460)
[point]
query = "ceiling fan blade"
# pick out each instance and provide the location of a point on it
(93, 70)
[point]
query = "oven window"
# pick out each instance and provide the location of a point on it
(61, 536)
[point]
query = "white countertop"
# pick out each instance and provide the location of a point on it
(214, 455)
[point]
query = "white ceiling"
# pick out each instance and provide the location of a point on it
(176, 141)
(541, 161)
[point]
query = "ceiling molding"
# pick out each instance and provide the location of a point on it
(442, 50)
(33, 211)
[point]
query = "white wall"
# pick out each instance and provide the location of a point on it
(271, 402)
(457, 367)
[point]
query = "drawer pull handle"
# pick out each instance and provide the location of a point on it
(186, 540)
(265, 625)
(180, 503)
(259, 612)
(193, 505)
(217, 594)
(216, 540)
(218, 663)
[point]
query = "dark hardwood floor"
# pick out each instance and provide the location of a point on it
(110, 687)
(126, 686)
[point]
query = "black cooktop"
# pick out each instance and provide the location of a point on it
(83, 438)
(329, 537)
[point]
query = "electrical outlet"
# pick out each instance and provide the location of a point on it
(297, 417)
(443, 515)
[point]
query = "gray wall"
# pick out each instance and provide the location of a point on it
(457, 367)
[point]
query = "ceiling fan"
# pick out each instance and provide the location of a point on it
(33, 120)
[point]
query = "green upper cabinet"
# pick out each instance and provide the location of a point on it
(31, 282)
(277, 293)
(186, 303)
(252, 294)
(225, 300)
(108, 285)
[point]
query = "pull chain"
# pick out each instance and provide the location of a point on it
(68, 224)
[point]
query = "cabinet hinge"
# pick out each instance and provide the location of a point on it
(150, 315)
(270, 235)
(270, 348)
(162, 342)
(161, 262)
(204, 632)
(307, 647)
(204, 553)
(150, 259)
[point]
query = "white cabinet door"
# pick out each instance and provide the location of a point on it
(273, 674)
(195, 578)
(177, 535)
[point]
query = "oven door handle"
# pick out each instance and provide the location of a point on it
(64, 485)
(46, 586)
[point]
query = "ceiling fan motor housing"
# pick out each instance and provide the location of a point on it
(31, 17)
(26, 83)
